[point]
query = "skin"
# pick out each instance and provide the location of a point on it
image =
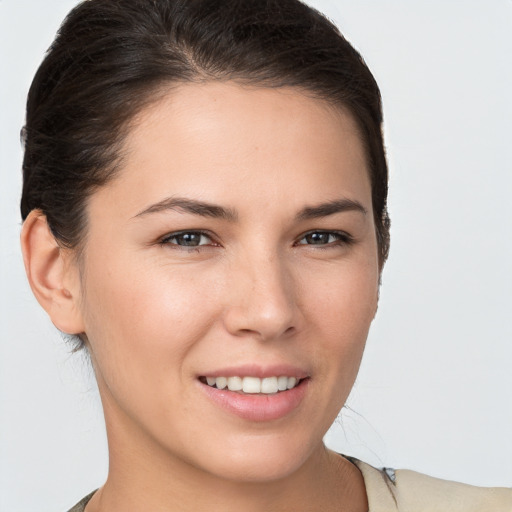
(158, 314)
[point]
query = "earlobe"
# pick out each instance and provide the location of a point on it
(52, 275)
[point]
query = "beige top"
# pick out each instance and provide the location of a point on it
(408, 491)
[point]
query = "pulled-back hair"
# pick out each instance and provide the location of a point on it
(112, 58)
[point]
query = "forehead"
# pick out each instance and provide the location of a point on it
(224, 142)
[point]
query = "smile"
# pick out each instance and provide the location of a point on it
(253, 385)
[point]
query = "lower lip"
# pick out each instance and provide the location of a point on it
(258, 407)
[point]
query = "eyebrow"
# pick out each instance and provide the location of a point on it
(205, 209)
(192, 206)
(330, 208)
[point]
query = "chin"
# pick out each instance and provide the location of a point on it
(261, 459)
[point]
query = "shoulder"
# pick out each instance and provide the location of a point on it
(80, 506)
(409, 491)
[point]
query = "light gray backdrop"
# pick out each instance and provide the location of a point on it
(435, 389)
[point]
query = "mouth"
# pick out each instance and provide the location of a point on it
(249, 385)
(257, 393)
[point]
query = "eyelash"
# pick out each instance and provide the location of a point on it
(342, 238)
(166, 240)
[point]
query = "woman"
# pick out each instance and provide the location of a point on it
(204, 209)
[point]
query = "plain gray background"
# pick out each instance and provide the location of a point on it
(435, 390)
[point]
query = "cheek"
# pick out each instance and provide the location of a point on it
(142, 316)
(341, 308)
(345, 298)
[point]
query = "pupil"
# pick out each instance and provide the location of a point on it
(317, 238)
(190, 239)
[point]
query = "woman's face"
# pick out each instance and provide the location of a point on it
(237, 242)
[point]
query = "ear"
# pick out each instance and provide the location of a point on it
(52, 273)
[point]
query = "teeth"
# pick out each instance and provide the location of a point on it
(269, 385)
(254, 385)
(234, 383)
(221, 382)
(291, 382)
(282, 383)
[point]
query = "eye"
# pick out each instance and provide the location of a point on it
(323, 238)
(187, 239)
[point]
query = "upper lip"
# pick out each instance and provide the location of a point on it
(255, 370)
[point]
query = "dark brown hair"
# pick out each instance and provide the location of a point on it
(111, 58)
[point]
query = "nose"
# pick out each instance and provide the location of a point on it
(262, 300)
